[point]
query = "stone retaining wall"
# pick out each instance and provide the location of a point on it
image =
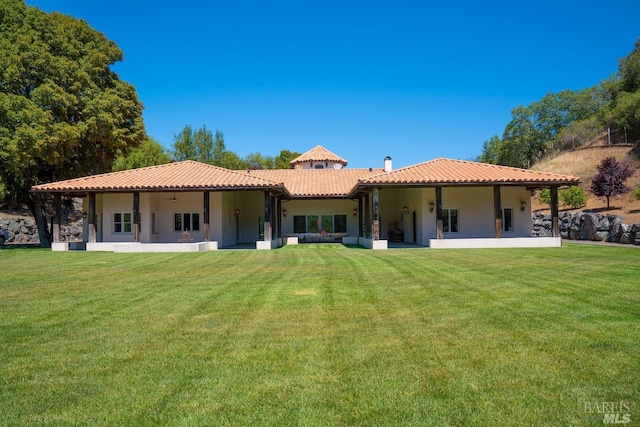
(589, 226)
(24, 230)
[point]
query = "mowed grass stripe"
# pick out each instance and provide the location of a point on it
(317, 335)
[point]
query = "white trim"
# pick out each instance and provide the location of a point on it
(515, 242)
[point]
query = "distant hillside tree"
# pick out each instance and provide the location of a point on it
(150, 153)
(629, 70)
(610, 179)
(63, 112)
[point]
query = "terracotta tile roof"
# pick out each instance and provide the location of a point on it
(319, 154)
(172, 176)
(460, 172)
(309, 183)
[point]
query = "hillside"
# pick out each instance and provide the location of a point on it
(582, 163)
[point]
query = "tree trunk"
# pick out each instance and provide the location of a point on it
(37, 209)
(607, 201)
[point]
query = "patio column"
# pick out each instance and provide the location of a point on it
(91, 217)
(497, 211)
(376, 215)
(267, 216)
(439, 222)
(554, 212)
(360, 228)
(367, 216)
(57, 214)
(205, 215)
(279, 216)
(136, 217)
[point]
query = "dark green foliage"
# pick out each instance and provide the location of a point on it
(202, 146)
(283, 159)
(569, 119)
(63, 112)
(610, 179)
(150, 153)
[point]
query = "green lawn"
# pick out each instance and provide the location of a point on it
(319, 335)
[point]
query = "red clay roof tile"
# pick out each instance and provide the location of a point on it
(460, 172)
(171, 176)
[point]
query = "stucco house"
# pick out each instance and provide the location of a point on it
(191, 206)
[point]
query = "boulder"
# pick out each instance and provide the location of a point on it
(627, 238)
(589, 226)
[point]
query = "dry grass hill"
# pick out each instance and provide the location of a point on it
(582, 163)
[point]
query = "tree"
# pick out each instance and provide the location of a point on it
(63, 112)
(629, 70)
(150, 153)
(522, 143)
(193, 145)
(258, 161)
(491, 151)
(284, 158)
(610, 179)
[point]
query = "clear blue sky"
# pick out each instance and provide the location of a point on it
(415, 80)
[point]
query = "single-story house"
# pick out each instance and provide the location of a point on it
(192, 206)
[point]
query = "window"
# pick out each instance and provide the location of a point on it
(313, 224)
(299, 224)
(327, 223)
(319, 166)
(450, 221)
(260, 228)
(186, 222)
(122, 222)
(340, 223)
(507, 219)
(319, 223)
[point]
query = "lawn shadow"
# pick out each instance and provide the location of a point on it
(353, 246)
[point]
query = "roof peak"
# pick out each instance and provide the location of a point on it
(318, 154)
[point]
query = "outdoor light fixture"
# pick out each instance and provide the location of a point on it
(284, 212)
(405, 209)
(522, 205)
(431, 206)
(237, 212)
(84, 214)
(355, 212)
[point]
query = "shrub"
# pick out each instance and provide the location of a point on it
(636, 193)
(574, 197)
(544, 196)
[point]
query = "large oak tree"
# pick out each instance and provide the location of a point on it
(63, 112)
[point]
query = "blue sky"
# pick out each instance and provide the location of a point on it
(365, 79)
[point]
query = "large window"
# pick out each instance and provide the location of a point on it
(319, 223)
(122, 222)
(186, 222)
(507, 219)
(450, 221)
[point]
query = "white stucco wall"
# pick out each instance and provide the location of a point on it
(475, 208)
